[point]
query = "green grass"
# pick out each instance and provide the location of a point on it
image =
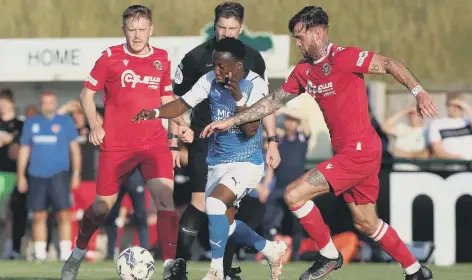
(251, 271)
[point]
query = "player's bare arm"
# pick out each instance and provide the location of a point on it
(178, 120)
(170, 110)
(88, 105)
(272, 153)
(386, 65)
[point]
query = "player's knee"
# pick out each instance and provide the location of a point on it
(215, 206)
(63, 216)
(101, 207)
(292, 197)
(198, 201)
(365, 225)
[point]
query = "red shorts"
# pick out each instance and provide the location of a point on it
(354, 174)
(114, 167)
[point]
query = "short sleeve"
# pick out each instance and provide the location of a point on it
(354, 60)
(166, 83)
(292, 85)
(186, 75)
(433, 133)
(259, 90)
(97, 77)
(72, 133)
(26, 137)
(200, 90)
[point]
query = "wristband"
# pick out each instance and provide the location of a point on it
(174, 149)
(241, 102)
(76, 173)
(416, 90)
(273, 139)
(157, 112)
(171, 136)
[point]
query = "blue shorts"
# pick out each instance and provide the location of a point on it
(49, 192)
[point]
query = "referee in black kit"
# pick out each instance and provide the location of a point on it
(229, 18)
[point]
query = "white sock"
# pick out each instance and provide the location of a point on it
(167, 262)
(268, 250)
(65, 249)
(217, 264)
(7, 248)
(412, 269)
(78, 254)
(40, 250)
(330, 251)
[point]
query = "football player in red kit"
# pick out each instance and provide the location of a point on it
(334, 77)
(132, 76)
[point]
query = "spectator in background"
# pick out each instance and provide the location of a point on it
(409, 138)
(293, 148)
(451, 137)
(48, 142)
(30, 111)
(10, 130)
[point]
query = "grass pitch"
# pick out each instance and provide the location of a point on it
(16, 270)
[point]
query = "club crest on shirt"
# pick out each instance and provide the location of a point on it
(55, 128)
(158, 65)
(35, 128)
(326, 69)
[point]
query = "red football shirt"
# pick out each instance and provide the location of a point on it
(336, 81)
(131, 83)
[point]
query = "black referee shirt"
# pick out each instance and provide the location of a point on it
(197, 63)
(14, 127)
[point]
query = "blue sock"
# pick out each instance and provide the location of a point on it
(218, 227)
(244, 235)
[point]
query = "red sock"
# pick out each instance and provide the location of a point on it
(168, 230)
(88, 226)
(312, 221)
(390, 242)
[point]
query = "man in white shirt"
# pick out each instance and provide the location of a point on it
(451, 137)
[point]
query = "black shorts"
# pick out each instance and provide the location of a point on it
(48, 192)
(197, 166)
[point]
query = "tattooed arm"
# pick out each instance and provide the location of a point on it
(385, 65)
(264, 107)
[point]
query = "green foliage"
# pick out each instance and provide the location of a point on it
(432, 36)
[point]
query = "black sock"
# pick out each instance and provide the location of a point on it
(229, 254)
(189, 226)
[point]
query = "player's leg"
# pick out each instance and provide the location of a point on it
(361, 201)
(157, 171)
(37, 203)
(113, 169)
(111, 226)
(192, 218)
(135, 188)
(60, 199)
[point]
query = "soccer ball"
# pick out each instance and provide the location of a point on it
(135, 263)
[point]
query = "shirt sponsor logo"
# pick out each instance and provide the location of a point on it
(45, 139)
(129, 77)
(323, 89)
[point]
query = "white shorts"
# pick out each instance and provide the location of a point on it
(240, 177)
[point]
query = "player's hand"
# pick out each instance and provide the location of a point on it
(22, 184)
(263, 192)
(233, 86)
(425, 106)
(217, 126)
(176, 159)
(75, 181)
(186, 134)
(273, 155)
(96, 135)
(145, 115)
